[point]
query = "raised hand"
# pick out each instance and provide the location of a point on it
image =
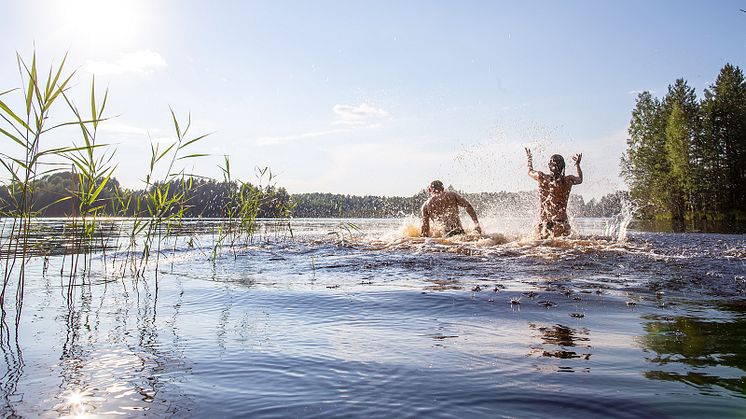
(530, 163)
(576, 158)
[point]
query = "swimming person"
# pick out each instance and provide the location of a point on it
(443, 207)
(554, 191)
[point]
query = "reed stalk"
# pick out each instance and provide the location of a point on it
(165, 207)
(24, 158)
(92, 169)
(25, 115)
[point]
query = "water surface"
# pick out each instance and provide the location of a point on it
(370, 321)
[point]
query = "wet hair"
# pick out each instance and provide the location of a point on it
(557, 165)
(436, 186)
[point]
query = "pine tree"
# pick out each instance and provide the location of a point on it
(687, 158)
(678, 142)
(725, 138)
(644, 165)
(681, 113)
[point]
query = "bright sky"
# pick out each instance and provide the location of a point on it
(378, 97)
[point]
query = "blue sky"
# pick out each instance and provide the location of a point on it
(377, 97)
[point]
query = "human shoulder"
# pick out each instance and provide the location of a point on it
(541, 176)
(571, 180)
(431, 202)
(451, 196)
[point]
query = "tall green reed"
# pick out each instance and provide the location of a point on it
(26, 114)
(239, 212)
(165, 206)
(92, 172)
(273, 202)
(24, 159)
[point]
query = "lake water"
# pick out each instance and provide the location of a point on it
(367, 320)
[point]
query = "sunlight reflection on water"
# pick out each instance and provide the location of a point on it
(380, 322)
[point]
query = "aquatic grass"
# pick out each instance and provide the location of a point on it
(240, 210)
(271, 202)
(345, 230)
(165, 206)
(25, 161)
(24, 156)
(91, 173)
(225, 229)
(154, 215)
(243, 204)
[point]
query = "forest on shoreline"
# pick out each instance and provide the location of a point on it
(686, 157)
(54, 196)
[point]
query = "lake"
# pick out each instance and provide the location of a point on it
(364, 319)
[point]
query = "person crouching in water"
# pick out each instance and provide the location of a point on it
(554, 191)
(443, 207)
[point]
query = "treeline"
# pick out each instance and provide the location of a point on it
(686, 157)
(322, 205)
(328, 205)
(56, 195)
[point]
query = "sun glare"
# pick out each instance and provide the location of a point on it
(76, 404)
(101, 21)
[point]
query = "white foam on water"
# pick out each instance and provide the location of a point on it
(616, 228)
(501, 236)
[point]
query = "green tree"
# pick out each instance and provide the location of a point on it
(678, 143)
(683, 124)
(724, 139)
(644, 165)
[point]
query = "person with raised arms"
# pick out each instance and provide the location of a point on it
(554, 191)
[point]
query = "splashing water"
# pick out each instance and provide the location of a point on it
(501, 230)
(616, 228)
(380, 322)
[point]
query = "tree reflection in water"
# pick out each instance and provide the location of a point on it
(13, 357)
(556, 340)
(115, 372)
(689, 349)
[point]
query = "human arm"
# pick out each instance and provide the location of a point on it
(578, 178)
(425, 230)
(469, 210)
(531, 172)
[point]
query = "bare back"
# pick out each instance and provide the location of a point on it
(443, 208)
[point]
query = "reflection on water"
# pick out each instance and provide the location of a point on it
(558, 339)
(94, 374)
(697, 226)
(699, 352)
(377, 322)
(13, 365)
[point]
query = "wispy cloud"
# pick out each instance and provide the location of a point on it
(138, 62)
(294, 137)
(361, 114)
(349, 118)
(638, 91)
